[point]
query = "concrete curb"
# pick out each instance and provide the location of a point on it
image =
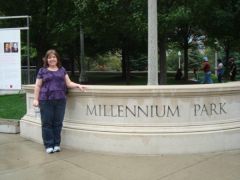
(9, 126)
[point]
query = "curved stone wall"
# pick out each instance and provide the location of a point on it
(147, 119)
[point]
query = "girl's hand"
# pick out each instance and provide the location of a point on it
(82, 87)
(35, 103)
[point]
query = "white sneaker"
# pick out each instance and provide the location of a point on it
(49, 150)
(56, 149)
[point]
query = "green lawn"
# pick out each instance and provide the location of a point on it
(106, 78)
(13, 106)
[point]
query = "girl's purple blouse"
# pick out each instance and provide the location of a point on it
(53, 84)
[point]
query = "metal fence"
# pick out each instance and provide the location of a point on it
(25, 75)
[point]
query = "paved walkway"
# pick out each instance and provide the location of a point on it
(21, 159)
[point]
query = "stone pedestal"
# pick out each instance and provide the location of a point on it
(147, 119)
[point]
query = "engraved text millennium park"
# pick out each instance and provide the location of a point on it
(153, 110)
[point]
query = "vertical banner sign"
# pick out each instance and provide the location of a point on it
(10, 59)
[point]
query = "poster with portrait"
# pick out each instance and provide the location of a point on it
(10, 59)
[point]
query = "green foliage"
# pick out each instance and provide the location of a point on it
(172, 60)
(32, 55)
(195, 59)
(52, 25)
(139, 63)
(105, 62)
(113, 25)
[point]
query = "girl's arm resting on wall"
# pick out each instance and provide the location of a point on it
(71, 84)
(37, 88)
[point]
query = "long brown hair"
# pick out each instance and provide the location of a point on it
(45, 58)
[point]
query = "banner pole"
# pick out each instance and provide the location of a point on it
(28, 60)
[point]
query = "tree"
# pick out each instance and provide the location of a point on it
(177, 27)
(50, 27)
(221, 23)
(113, 25)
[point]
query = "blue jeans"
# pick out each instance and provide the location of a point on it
(220, 76)
(52, 115)
(207, 78)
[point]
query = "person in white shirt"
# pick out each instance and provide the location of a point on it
(220, 70)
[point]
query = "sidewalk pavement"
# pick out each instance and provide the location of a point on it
(21, 159)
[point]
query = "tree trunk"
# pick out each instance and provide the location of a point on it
(40, 55)
(72, 64)
(227, 56)
(162, 61)
(125, 65)
(227, 49)
(185, 48)
(41, 44)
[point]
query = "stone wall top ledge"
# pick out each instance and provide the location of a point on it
(223, 88)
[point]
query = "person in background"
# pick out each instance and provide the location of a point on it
(220, 70)
(50, 96)
(233, 69)
(179, 74)
(207, 71)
